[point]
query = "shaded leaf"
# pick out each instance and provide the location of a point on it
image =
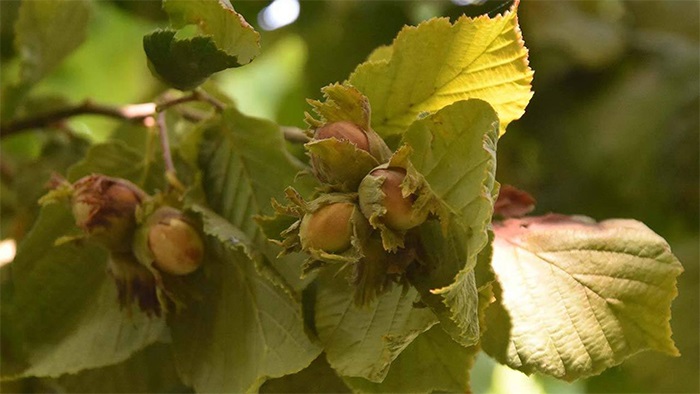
(151, 370)
(438, 63)
(243, 331)
(184, 64)
(318, 377)
(64, 306)
(432, 362)
(46, 32)
(581, 296)
(117, 159)
(229, 31)
(455, 150)
(244, 166)
(363, 341)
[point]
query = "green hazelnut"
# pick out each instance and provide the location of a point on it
(329, 228)
(175, 246)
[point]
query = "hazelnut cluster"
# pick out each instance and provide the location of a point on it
(363, 214)
(147, 241)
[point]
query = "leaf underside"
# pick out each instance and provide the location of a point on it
(580, 297)
(247, 327)
(363, 341)
(455, 150)
(87, 328)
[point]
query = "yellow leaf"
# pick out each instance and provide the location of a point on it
(438, 63)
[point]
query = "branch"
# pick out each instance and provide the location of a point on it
(132, 113)
(136, 112)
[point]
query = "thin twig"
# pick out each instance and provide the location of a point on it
(204, 96)
(294, 134)
(170, 173)
(180, 100)
(134, 113)
(165, 142)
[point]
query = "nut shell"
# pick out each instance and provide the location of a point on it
(344, 131)
(329, 228)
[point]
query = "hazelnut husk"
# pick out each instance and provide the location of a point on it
(169, 241)
(104, 208)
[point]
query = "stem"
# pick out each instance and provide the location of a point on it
(170, 173)
(213, 101)
(294, 134)
(134, 112)
(137, 112)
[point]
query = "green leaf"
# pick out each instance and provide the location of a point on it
(363, 341)
(151, 370)
(455, 150)
(184, 64)
(235, 239)
(318, 377)
(432, 362)
(224, 231)
(224, 40)
(65, 306)
(438, 63)
(341, 102)
(117, 159)
(244, 166)
(229, 31)
(46, 32)
(447, 283)
(580, 296)
(243, 331)
(247, 327)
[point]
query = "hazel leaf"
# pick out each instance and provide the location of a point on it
(135, 375)
(67, 334)
(455, 152)
(363, 341)
(48, 31)
(238, 307)
(184, 64)
(578, 296)
(227, 28)
(432, 362)
(438, 63)
(244, 166)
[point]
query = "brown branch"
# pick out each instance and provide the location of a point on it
(132, 113)
(136, 112)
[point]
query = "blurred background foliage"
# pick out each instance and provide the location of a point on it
(612, 131)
